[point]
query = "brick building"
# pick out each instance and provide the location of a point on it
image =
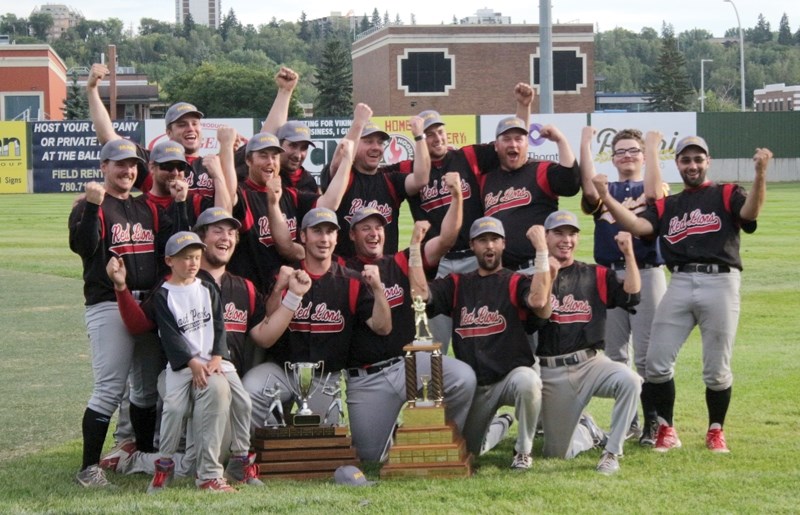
(469, 69)
(33, 83)
(777, 97)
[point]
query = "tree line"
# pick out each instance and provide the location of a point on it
(229, 70)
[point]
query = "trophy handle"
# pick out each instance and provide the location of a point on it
(290, 383)
(319, 365)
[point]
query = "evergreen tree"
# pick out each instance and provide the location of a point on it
(40, 24)
(762, 32)
(230, 25)
(304, 33)
(670, 90)
(364, 24)
(188, 25)
(784, 32)
(334, 81)
(397, 20)
(413, 19)
(76, 105)
(376, 19)
(455, 20)
(386, 18)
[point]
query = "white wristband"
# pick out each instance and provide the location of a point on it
(414, 255)
(541, 263)
(291, 301)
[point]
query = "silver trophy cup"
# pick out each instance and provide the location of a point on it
(301, 382)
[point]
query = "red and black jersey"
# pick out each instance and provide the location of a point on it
(580, 296)
(384, 191)
(134, 229)
(368, 347)
(525, 197)
(300, 180)
(256, 256)
(323, 326)
(195, 203)
(242, 308)
(434, 199)
(489, 315)
(701, 225)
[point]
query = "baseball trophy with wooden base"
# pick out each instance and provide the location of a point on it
(308, 447)
(425, 444)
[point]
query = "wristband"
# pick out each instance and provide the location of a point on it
(419, 137)
(414, 255)
(541, 263)
(291, 301)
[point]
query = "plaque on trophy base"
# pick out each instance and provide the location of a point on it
(425, 445)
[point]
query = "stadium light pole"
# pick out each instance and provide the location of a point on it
(741, 48)
(703, 84)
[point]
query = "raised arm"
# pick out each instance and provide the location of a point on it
(416, 274)
(539, 295)
(273, 300)
(524, 94)
(381, 320)
(565, 155)
(286, 79)
(286, 247)
(625, 217)
(338, 185)
(633, 281)
(273, 326)
(222, 197)
(587, 167)
(422, 160)
(226, 137)
(437, 247)
(653, 187)
(97, 111)
(755, 199)
(361, 116)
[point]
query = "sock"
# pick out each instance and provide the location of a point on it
(648, 408)
(143, 421)
(717, 403)
(663, 397)
(95, 429)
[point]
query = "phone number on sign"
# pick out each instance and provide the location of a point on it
(73, 186)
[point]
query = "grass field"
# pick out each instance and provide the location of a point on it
(45, 381)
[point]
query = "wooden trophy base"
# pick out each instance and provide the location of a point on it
(302, 452)
(426, 446)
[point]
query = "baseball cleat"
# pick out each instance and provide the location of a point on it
(92, 477)
(608, 464)
(522, 461)
(649, 434)
(715, 440)
(163, 476)
(216, 485)
(119, 458)
(667, 439)
(243, 469)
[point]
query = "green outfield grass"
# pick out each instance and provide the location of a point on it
(45, 381)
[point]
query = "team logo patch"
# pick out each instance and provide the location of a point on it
(690, 224)
(480, 322)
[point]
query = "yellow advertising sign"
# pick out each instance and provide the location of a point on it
(13, 157)
(461, 131)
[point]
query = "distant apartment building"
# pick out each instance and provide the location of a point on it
(204, 12)
(777, 97)
(64, 18)
(486, 17)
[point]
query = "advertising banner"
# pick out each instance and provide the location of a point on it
(13, 157)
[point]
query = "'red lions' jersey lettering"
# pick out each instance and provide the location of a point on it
(319, 320)
(358, 203)
(235, 319)
(394, 295)
(695, 222)
(508, 199)
(131, 240)
(570, 310)
(265, 233)
(480, 322)
(436, 195)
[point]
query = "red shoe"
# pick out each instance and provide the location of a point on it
(162, 477)
(715, 441)
(217, 485)
(118, 459)
(667, 439)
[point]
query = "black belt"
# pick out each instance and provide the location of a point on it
(620, 265)
(374, 368)
(459, 254)
(701, 268)
(567, 359)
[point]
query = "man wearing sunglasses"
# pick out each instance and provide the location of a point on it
(630, 153)
(698, 231)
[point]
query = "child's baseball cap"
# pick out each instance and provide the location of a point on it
(180, 240)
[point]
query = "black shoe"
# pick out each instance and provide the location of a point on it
(649, 433)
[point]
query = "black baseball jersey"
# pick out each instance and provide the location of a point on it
(525, 197)
(433, 200)
(489, 317)
(256, 256)
(134, 229)
(580, 296)
(195, 203)
(606, 251)
(701, 225)
(384, 191)
(197, 176)
(299, 179)
(323, 326)
(369, 347)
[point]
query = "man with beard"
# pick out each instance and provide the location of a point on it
(522, 191)
(490, 308)
(295, 138)
(376, 374)
(573, 371)
(376, 186)
(698, 231)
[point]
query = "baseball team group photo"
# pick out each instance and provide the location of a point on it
(471, 329)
